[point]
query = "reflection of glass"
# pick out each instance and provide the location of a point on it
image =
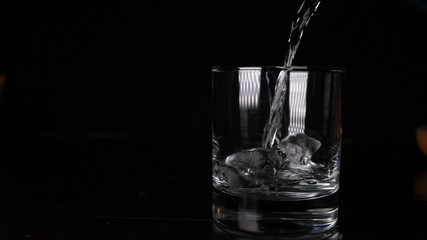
(331, 234)
(290, 187)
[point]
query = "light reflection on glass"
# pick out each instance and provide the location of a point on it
(249, 94)
(297, 101)
(250, 82)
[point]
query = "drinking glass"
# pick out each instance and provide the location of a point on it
(276, 142)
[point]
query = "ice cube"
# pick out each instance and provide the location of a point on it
(298, 148)
(256, 166)
(299, 172)
(232, 179)
(287, 161)
(256, 157)
(291, 153)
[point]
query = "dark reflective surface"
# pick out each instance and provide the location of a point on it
(106, 188)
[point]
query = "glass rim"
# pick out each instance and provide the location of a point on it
(292, 68)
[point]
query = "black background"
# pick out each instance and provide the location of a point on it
(106, 107)
(118, 66)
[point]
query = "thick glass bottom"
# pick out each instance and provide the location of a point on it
(249, 214)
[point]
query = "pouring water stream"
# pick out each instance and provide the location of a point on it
(300, 22)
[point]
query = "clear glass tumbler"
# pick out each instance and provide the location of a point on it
(276, 142)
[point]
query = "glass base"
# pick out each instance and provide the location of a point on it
(248, 214)
(224, 232)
